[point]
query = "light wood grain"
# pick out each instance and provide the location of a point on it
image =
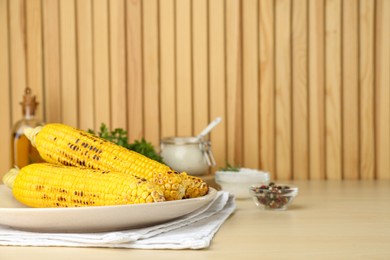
(151, 71)
(300, 122)
(233, 81)
(382, 89)
(167, 68)
(101, 66)
(34, 62)
(69, 95)
(217, 78)
(200, 66)
(17, 34)
(333, 90)
(118, 64)
(51, 61)
(283, 89)
(250, 81)
(366, 79)
(183, 68)
(238, 112)
(267, 86)
(350, 108)
(85, 64)
(134, 69)
(5, 108)
(317, 89)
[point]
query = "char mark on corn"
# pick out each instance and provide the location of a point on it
(196, 187)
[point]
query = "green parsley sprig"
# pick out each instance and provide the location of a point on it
(230, 168)
(119, 137)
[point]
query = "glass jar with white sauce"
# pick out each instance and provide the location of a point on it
(187, 154)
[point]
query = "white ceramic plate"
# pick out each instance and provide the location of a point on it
(94, 219)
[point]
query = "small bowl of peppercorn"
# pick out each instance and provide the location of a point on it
(273, 196)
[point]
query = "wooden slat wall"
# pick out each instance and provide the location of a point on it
(250, 83)
(382, 89)
(300, 136)
(350, 83)
(333, 90)
(283, 89)
(303, 86)
(5, 96)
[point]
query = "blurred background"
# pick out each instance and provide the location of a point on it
(303, 87)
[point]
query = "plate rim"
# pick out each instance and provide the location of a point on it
(209, 195)
(185, 207)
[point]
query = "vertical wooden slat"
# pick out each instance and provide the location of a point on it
(200, 65)
(51, 53)
(101, 67)
(300, 138)
(34, 52)
(250, 83)
(316, 89)
(366, 79)
(382, 89)
(69, 96)
(283, 88)
(118, 63)
(217, 77)
(167, 68)
(233, 82)
(333, 89)
(85, 64)
(267, 86)
(183, 68)
(18, 56)
(134, 69)
(151, 71)
(350, 70)
(5, 102)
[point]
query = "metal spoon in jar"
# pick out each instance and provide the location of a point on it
(209, 127)
(205, 146)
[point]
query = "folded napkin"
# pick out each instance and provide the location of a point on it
(193, 231)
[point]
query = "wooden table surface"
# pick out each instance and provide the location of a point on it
(328, 220)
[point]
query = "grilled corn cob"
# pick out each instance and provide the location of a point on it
(196, 187)
(62, 144)
(50, 185)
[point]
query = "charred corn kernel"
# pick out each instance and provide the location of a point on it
(196, 187)
(49, 185)
(62, 144)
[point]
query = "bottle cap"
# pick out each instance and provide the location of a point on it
(29, 102)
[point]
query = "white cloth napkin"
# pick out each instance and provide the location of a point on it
(193, 231)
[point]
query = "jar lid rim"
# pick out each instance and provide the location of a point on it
(181, 140)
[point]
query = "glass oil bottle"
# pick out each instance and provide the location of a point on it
(22, 152)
